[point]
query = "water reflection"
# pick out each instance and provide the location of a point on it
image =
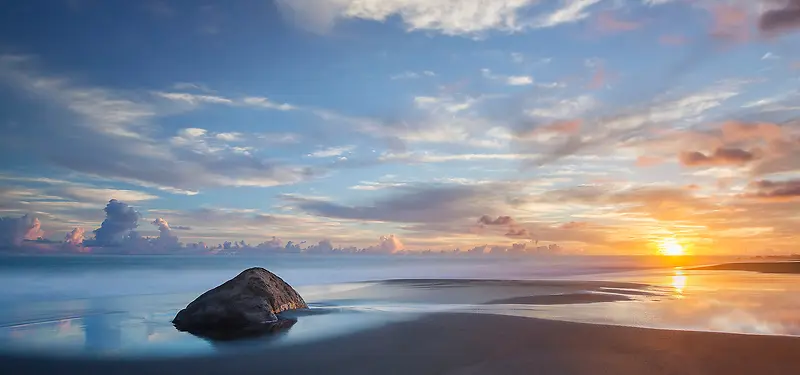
(678, 282)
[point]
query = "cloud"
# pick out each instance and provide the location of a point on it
(386, 245)
(672, 40)
(564, 108)
(775, 190)
(720, 156)
(607, 22)
(463, 17)
(14, 230)
(415, 204)
(648, 161)
(730, 22)
(100, 195)
(166, 238)
(517, 233)
(412, 75)
(331, 152)
(115, 139)
(569, 12)
(74, 239)
(500, 220)
(120, 220)
(781, 19)
(519, 80)
(193, 99)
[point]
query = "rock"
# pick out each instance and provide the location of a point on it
(242, 306)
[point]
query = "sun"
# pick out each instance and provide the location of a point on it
(670, 247)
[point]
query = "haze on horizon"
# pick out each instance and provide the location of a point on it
(627, 127)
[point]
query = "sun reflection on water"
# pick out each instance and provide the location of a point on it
(679, 282)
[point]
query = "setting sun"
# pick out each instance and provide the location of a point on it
(670, 247)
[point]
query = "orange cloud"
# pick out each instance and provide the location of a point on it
(598, 78)
(730, 22)
(720, 156)
(648, 161)
(564, 127)
(672, 40)
(606, 22)
(735, 131)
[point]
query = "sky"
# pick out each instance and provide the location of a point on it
(602, 126)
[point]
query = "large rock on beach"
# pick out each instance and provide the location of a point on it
(246, 305)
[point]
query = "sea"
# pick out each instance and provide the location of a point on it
(121, 306)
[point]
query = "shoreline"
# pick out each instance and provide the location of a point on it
(783, 267)
(464, 343)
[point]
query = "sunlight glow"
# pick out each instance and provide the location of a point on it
(679, 283)
(670, 247)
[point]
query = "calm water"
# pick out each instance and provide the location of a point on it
(122, 305)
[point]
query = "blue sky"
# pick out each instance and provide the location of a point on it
(601, 126)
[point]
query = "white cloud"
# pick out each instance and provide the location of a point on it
(449, 17)
(266, 103)
(519, 80)
(101, 195)
(331, 152)
(570, 11)
(193, 99)
(444, 103)
(412, 75)
(197, 99)
(108, 111)
(770, 56)
(565, 108)
(513, 80)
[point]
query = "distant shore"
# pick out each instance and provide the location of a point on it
(455, 343)
(763, 267)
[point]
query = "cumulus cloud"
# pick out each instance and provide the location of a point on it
(165, 238)
(75, 237)
(120, 220)
(720, 156)
(323, 247)
(14, 230)
(386, 245)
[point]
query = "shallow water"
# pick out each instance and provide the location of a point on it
(122, 306)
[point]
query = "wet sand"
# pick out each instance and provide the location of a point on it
(561, 299)
(763, 267)
(459, 343)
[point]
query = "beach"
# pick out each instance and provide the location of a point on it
(583, 316)
(458, 343)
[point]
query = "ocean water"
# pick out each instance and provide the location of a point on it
(122, 305)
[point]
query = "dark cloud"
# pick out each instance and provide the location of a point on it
(720, 156)
(423, 204)
(517, 233)
(120, 221)
(14, 230)
(501, 220)
(775, 190)
(782, 19)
